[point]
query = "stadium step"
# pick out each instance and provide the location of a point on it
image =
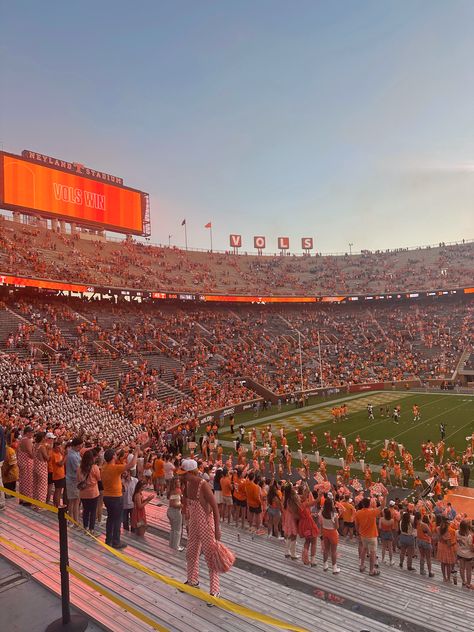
(403, 598)
(38, 533)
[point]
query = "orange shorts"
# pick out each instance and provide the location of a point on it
(331, 535)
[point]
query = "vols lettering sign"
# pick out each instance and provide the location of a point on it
(283, 243)
(307, 243)
(235, 241)
(259, 242)
(32, 187)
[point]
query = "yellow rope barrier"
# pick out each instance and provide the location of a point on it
(225, 604)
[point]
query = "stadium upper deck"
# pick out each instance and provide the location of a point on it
(37, 252)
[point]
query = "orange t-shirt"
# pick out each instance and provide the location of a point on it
(423, 531)
(366, 522)
(112, 479)
(253, 494)
(159, 468)
(239, 489)
(226, 486)
(348, 512)
(58, 471)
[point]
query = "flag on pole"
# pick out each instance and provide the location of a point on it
(183, 223)
(208, 225)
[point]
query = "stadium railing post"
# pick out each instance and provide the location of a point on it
(74, 623)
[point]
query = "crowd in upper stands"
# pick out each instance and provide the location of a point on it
(38, 252)
(158, 367)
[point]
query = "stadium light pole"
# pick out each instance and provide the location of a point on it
(301, 361)
(350, 247)
(320, 361)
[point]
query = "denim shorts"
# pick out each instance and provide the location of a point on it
(406, 540)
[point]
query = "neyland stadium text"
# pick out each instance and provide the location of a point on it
(76, 167)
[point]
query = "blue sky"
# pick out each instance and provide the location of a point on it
(348, 121)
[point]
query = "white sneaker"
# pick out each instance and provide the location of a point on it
(325, 566)
(336, 569)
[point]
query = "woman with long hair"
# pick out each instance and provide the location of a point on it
(274, 509)
(330, 525)
(407, 540)
(290, 517)
(386, 534)
(307, 527)
(174, 514)
(239, 496)
(465, 553)
(88, 476)
(446, 548)
(139, 523)
(423, 538)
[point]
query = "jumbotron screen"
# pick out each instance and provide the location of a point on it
(27, 186)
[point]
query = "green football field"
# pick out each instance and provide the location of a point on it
(455, 411)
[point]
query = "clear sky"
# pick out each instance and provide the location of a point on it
(348, 121)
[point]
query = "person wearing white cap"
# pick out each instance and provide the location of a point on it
(203, 524)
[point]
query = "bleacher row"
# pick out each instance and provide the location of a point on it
(172, 363)
(262, 579)
(36, 251)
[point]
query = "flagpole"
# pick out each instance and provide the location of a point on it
(210, 231)
(186, 235)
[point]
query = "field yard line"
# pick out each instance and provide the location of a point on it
(377, 423)
(256, 421)
(459, 429)
(411, 428)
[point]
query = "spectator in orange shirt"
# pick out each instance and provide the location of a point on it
(366, 523)
(113, 499)
(226, 488)
(254, 502)
(57, 460)
(159, 475)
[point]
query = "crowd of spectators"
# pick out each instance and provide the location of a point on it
(164, 366)
(38, 252)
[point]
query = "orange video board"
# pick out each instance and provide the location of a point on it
(31, 187)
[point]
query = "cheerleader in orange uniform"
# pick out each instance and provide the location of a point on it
(271, 463)
(322, 469)
(397, 474)
(350, 454)
(368, 477)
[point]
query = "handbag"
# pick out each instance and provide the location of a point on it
(222, 558)
(83, 484)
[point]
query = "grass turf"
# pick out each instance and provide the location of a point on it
(455, 411)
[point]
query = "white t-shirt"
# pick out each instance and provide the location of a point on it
(169, 470)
